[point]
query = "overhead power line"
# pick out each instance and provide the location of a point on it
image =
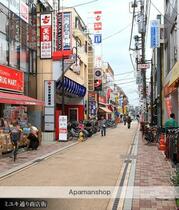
(116, 33)
(124, 73)
(163, 15)
(124, 83)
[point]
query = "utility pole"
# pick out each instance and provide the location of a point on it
(143, 71)
(159, 82)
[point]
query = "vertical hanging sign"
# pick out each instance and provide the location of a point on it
(97, 27)
(46, 35)
(64, 31)
(155, 34)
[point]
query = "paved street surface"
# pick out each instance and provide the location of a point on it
(7, 163)
(152, 170)
(95, 162)
(99, 161)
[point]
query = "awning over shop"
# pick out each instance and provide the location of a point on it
(105, 109)
(72, 87)
(8, 98)
(175, 74)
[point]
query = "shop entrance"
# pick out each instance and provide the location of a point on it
(73, 114)
(1, 110)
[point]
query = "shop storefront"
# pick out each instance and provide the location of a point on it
(74, 105)
(12, 94)
(13, 105)
(18, 54)
(103, 108)
(171, 101)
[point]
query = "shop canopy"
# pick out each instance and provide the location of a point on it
(72, 87)
(8, 98)
(105, 109)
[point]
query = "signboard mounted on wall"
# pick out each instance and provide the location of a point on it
(155, 34)
(46, 35)
(49, 105)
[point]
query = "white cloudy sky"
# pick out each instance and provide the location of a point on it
(116, 16)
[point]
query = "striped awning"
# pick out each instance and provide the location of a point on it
(71, 87)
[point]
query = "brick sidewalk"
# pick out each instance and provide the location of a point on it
(7, 163)
(152, 170)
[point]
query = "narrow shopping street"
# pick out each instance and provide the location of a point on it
(95, 162)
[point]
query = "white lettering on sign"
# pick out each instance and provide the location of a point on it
(3, 80)
(11, 82)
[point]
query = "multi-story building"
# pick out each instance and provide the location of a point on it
(171, 59)
(68, 91)
(18, 52)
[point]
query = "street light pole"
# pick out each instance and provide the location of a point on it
(63, 90)
(63, 93)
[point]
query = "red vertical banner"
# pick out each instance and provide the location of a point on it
(168, 105)
(46, 35)
(98, 21)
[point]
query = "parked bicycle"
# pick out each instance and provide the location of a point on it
(172, 144)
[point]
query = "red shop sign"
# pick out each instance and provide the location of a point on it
(168, 105)
(11, 79)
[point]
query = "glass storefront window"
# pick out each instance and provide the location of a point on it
(14, 54)
(32, 61)
(3, 19)
(23, 33)
(14, 27)
(24, 58)
(3, 49)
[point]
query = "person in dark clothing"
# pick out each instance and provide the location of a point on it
(102, 124)
(33, 138)
(124, 119)
(129, 120)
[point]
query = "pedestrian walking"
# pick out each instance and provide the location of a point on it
(124, 119)
(171, 122)
(129, 120)
(15, 136)
(102, 125)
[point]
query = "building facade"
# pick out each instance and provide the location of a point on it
(18, 57)
(171, 58)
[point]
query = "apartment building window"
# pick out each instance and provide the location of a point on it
(86, 46)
